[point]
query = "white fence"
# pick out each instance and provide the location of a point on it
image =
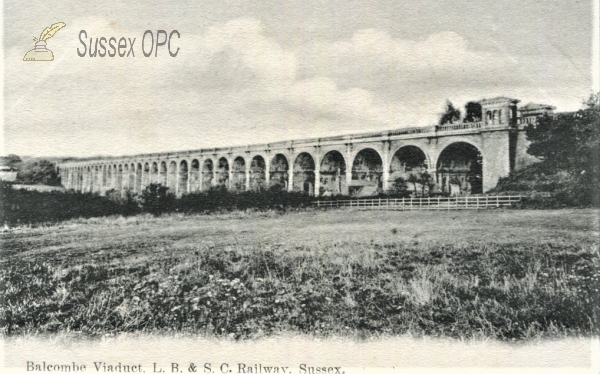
(425, 203)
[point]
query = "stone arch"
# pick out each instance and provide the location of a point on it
(95, 179)
(279, 172)
(367, 173)
(182, 177)
(460, 169)
(421, 147)
(410, 163)
(238, 174)
(258, 169)
(120, 184)
(104, 183)
(304, 173)
(146, 175)
(358, 148)
(90, 178)
(207, 173)
(333, 179)
(163, 174)
(488, 117)
(138, 178)
(85, 178)
(77, 179)
(109, 176)
(154, 172)
(223, 172)
(115, 177)
(131, 185)
(445, 142)
(172, 176)
(408, 158)
(126, 184)
(194, 175)
(80, 179)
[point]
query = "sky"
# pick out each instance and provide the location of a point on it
(256, 72)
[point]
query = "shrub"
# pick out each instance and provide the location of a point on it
(569, 148)
(156, 199)
(219, 198)
(19, 206)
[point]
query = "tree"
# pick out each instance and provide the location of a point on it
(400, 188)
(38, 171)
(426, 180)
(473, 112)
(413, 179)
(13, 161)
(156, 199)
(569, 143)
(450, 115)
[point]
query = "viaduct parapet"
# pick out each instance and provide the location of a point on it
(461, 158)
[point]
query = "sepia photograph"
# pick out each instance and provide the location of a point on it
(300, 187)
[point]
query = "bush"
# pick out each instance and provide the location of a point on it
(567, 188)
(569, 148)
(27, 207)
(220, 199)
(156, 200)
(38, 171)
(19, 206)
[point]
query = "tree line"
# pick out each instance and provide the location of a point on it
(32, 170)
(568, 146)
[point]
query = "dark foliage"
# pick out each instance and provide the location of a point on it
(38, 171)
(13, 161)
(569, 141)
(27, 207)
(569, 146)
(473, 112)
(156, 199)
(19, 206)
(450, 115)
(220, 199)
(399, 189)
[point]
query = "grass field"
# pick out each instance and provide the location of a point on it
(508, 275)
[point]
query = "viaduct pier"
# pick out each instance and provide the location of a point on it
(465, 157)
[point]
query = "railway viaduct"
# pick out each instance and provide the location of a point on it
(462, 158)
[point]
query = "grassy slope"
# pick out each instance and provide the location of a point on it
(503, 274)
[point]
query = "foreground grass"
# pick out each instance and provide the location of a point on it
(490, 274)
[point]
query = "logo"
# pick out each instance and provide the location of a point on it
(40, 52)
